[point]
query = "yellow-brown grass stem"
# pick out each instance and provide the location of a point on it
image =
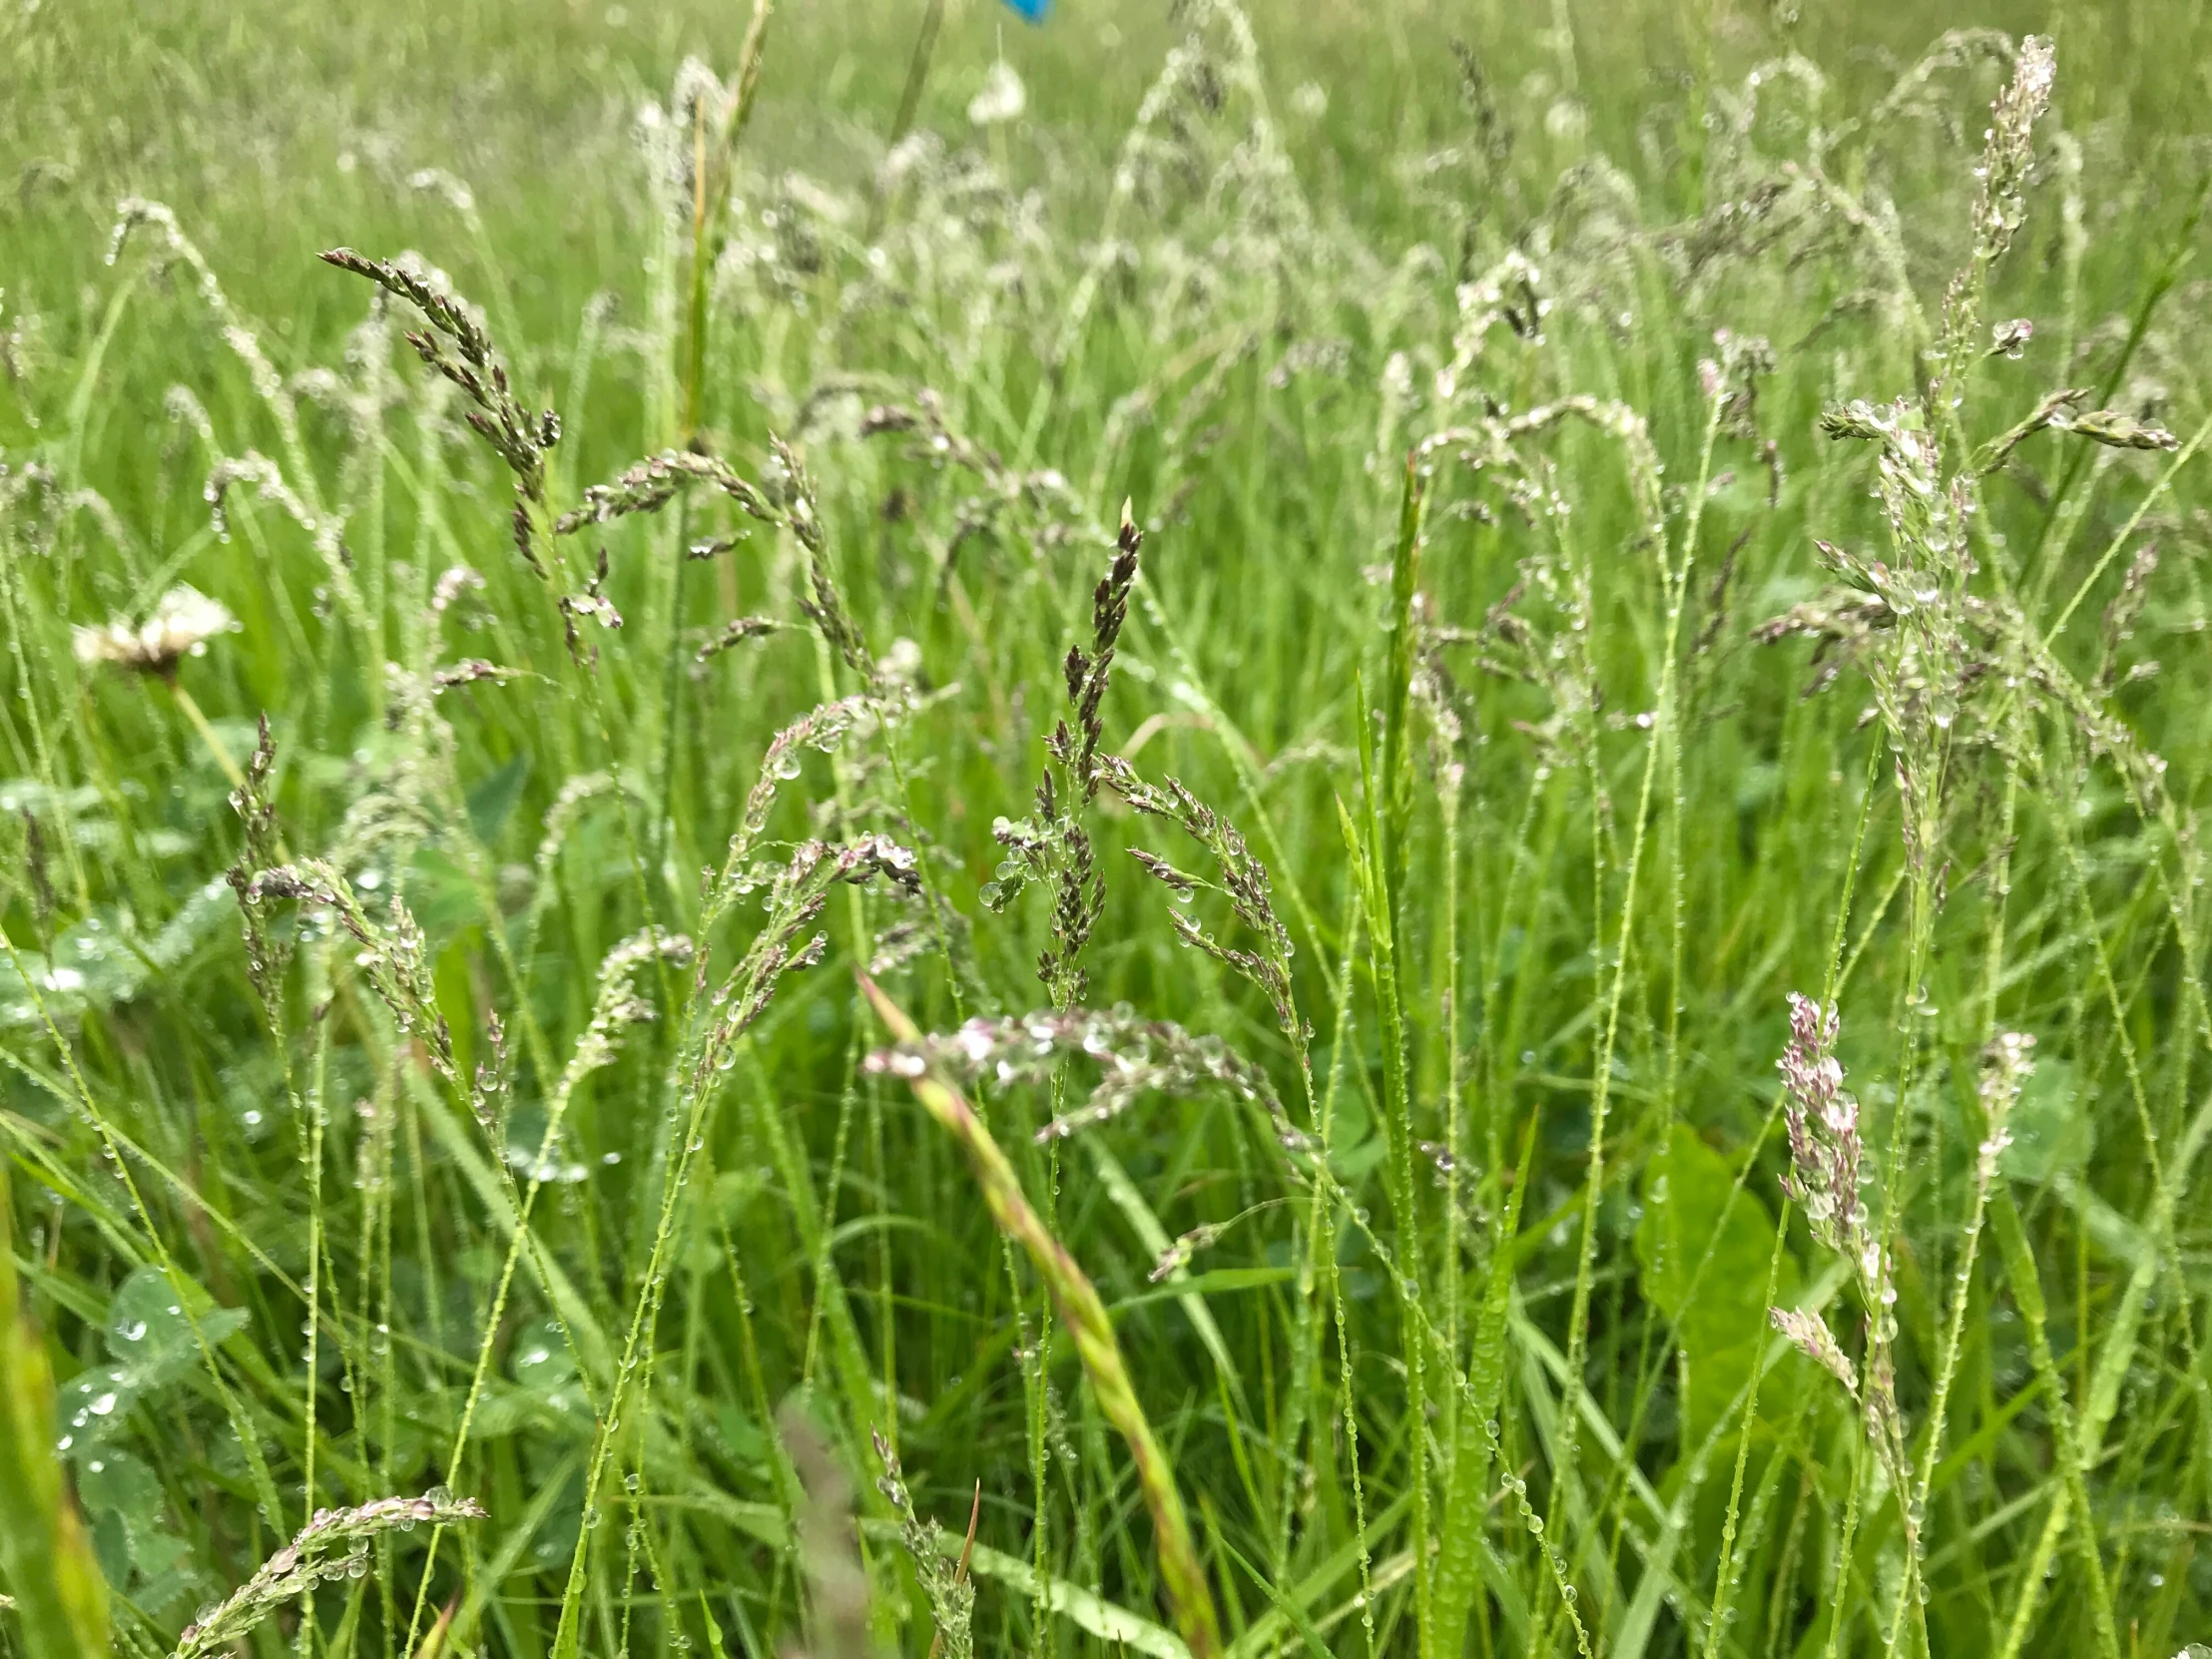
(45, 1556)
(1190, 1601)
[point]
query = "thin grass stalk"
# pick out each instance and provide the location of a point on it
(886, 1303)
(711, 202)
(1466, 1505)
(2076, 1435)
(2073, 1438)
(1781, 1590)
(2059, 781)
(1836, 972)
(1846, 1560)
(717, 1025)
(786, 1480)
(2126, 531)
(1666, 731)
(1880, 1413)
(608, 1017)
(1030, 1371)
(311, 1387)
(1450, 776)
(851, 1370)
(909, 104)
(1347, 1402)
(1320, 1246)
(1183, 1578)
(1239, 755)
(252, 799)
(1674, 583)
(1727, 1570)
(2028, 1295)
(1363, 850)
(710, 184)
(2101, 1393)
(531, 530)
(523, 1200)
(1787, 1453)
(1390, 805)
(17, 602)
(2058, 514)
(825, 1265)
(524, 451)
(376, 1317)
(1649, 1359)
(1324, 1247)
(1954, 1334)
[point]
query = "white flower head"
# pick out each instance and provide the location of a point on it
(1812, 1339)
(180, 626)
(1002, 99)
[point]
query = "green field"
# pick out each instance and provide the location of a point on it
(1318, 829)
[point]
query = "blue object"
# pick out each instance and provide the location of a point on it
(1034, 10)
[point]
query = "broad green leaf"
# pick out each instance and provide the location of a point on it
(491, 802)
(1703, 1247)
(108, 959)
(92, 1407)
(116, 1483)
(150, 1330)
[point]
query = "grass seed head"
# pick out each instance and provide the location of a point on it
(334, 1545)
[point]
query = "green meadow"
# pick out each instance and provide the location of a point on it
(1229, 828)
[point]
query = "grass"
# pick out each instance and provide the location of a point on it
(1552, 1001)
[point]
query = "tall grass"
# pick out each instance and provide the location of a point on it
(1283, 831)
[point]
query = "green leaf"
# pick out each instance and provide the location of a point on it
(440, 894)
(111, 1545)
(92, 1405)
(150, 1332)
(1703, 1246)
(123, 1498)
(1463, 1554)
(544, 1366)
(492, 802)
(106, 959)
(115, 1483)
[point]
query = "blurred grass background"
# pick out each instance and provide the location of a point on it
(249, 110)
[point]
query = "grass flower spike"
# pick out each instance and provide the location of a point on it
(334, 1545)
